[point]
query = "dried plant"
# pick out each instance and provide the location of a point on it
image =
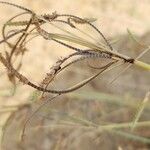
(33, 27)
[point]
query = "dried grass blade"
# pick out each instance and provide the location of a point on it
(140, 109)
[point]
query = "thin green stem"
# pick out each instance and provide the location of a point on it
(125, 125)
(142, 65)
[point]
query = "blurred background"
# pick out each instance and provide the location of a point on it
(89, 118)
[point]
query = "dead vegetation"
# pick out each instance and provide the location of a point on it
(86, 50)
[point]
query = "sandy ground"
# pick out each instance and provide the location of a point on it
(113, 18)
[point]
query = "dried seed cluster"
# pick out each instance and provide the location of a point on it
(28, 27)
(34, 24)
